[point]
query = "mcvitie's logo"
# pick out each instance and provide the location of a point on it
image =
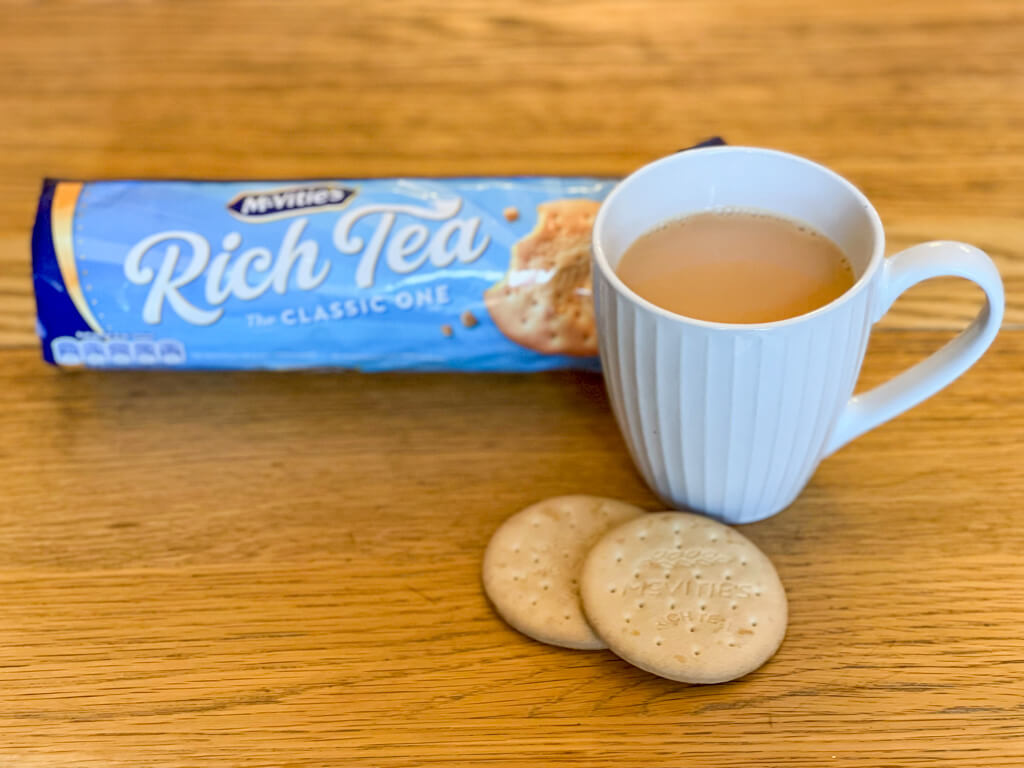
(269, 204)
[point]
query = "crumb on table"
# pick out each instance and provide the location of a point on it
(468, 319)
(511, 214)
(446, 331)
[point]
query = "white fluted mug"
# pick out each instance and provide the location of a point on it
(733, 420)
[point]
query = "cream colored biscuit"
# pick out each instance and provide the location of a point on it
(531, 567)
(545, 301)
(684, 597)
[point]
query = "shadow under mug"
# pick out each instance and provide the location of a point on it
(732, 420)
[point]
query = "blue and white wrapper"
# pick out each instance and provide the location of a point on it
(382, 274)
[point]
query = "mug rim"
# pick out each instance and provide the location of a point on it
(601, 259)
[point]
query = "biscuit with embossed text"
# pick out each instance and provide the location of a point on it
(684, 597)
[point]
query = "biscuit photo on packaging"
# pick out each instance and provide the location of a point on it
(545, 301)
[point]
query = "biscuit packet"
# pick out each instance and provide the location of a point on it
(378, 274)
(465, 274)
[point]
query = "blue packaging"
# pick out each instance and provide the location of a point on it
(474, 274)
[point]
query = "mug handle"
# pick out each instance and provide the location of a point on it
(900, 271)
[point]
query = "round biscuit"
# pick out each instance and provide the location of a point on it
(684, 597)
(532, 563)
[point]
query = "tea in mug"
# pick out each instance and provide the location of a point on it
(736, 267)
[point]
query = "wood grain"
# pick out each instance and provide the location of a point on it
(269, 570)
(282, 570)
(920, 103)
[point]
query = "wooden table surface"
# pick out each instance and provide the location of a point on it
(282, 570)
